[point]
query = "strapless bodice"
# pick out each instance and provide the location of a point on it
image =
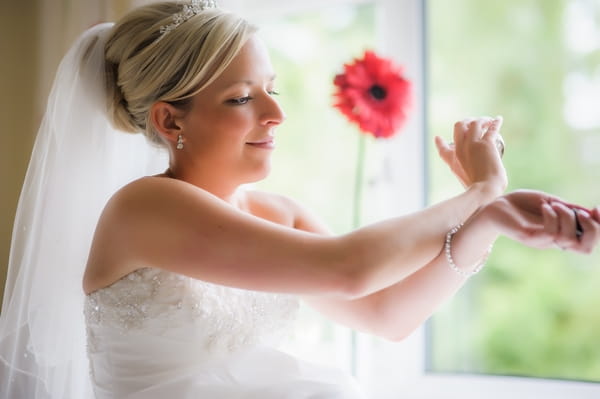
(154, 324)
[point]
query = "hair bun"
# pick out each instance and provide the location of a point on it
(116, 106)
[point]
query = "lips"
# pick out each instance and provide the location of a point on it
(267, 143)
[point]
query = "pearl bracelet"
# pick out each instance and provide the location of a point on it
(448, 251)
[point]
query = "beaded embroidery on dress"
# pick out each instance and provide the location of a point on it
(156, 334)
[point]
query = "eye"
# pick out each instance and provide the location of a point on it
(239, 100)
(273, 92)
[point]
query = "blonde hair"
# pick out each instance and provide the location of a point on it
(141, 69)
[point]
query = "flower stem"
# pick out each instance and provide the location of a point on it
(358, 182)
(356, 221)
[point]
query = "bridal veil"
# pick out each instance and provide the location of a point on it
(77, 163)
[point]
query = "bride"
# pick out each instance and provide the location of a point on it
(191, 278)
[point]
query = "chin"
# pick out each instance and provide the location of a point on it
(258, 174)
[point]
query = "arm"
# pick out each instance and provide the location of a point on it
(176, 226)
(533, 218)
(396, 311)
(179, 227)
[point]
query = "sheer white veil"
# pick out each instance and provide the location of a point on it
(77, 163)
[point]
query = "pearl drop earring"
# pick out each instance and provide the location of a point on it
(180, 142)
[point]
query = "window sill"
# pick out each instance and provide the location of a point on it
(496, 387)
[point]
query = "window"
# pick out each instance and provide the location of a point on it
(534, 62)
(531, 313)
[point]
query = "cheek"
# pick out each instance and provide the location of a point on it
(233, 122)
(223, 127)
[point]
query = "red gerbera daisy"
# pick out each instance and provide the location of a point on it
(373, 94)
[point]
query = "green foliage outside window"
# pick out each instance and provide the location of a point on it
(530, 312)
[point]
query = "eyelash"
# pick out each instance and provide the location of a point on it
(244, 100)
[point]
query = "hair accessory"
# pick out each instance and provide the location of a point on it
(180, 142)
(189, 10)
(448, 251)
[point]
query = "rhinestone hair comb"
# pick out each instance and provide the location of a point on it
(189, 10)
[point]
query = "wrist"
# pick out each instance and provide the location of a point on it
(486, 218)
(450, 259)
(487, 191)
(468, 245)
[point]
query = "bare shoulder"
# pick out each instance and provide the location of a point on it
(154, 190)
(172, 225)
(130, 221)
(285, 208)
(149, 201)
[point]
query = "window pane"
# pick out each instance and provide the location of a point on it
(537, 63)
(316, 148)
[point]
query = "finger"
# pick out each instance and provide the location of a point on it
(460, 129)
(475, 129)
(566, 237)
(550, 220)
(596, 214)
(493, 135)
(494, 129)
(591, 232)
(571, 205)
(487, 121)
(441, 144)
(445, 151)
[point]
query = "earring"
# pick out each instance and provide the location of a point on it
(180, 142)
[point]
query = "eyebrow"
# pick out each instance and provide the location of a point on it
(249, 82)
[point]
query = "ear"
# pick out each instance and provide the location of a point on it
(167, 120)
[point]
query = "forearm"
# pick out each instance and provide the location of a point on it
(397, 310)
(406, 305)
(391, 250)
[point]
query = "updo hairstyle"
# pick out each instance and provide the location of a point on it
(144, 67)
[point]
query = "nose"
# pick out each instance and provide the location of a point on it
(272, 113)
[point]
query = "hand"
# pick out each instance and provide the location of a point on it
(540, 220)
(474, 156)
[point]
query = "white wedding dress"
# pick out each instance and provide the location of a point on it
(152, 334)
(157, 334)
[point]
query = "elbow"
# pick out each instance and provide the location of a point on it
(353, 287)
(393, 321)
(355, 282)
(397, 336)
(354, 278)
(394, 332)
(345, 285)
(389, 330)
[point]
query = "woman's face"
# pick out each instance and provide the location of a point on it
(231, 125)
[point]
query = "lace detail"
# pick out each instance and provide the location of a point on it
(161, 303)
(156, 334)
